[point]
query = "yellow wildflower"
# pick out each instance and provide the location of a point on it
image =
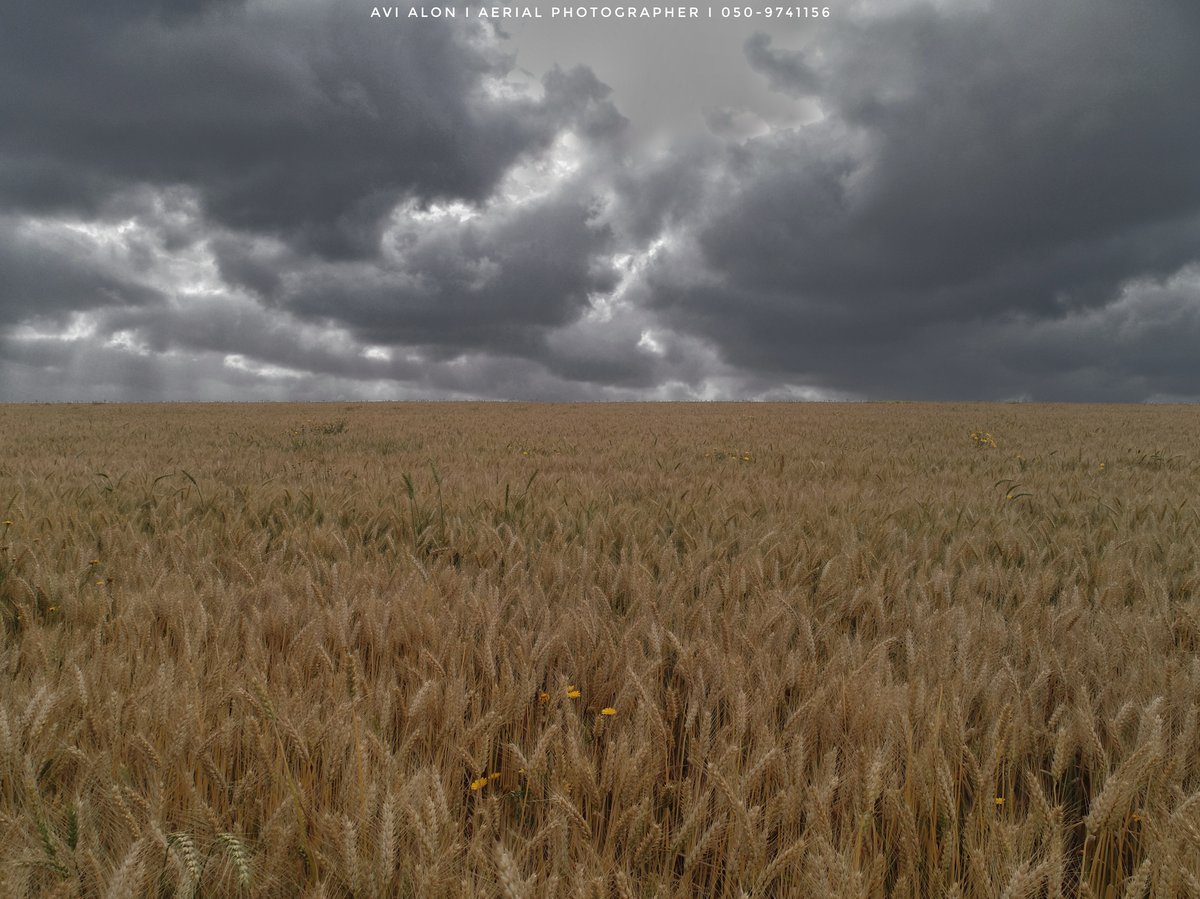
(494, 775)
(479, 783)
(999, 800)
(573, 693)
(94, 562)
(610, 711)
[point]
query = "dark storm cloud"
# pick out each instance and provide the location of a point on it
(254, 190)
(303, 121)
(496, 283)
(269, 199)
(974, 165)
(46, 276)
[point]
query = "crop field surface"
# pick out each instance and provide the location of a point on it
(600, 651)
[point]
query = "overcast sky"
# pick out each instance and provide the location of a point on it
(290, 199)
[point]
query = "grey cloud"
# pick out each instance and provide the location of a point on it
(46, 275)
(213, 180)
(576, 96)
(55, 370)
(307, 122)
(252, 266)
(498, 282)
(733, 123)
(250, 200)
(786, 71)
(974, 166)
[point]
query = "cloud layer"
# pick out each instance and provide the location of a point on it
(231, 200)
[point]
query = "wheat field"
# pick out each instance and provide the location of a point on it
(628, 651)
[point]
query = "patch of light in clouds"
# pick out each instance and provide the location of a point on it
(127, 341)
(80, 326)
(650, 343)
(274, 372)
